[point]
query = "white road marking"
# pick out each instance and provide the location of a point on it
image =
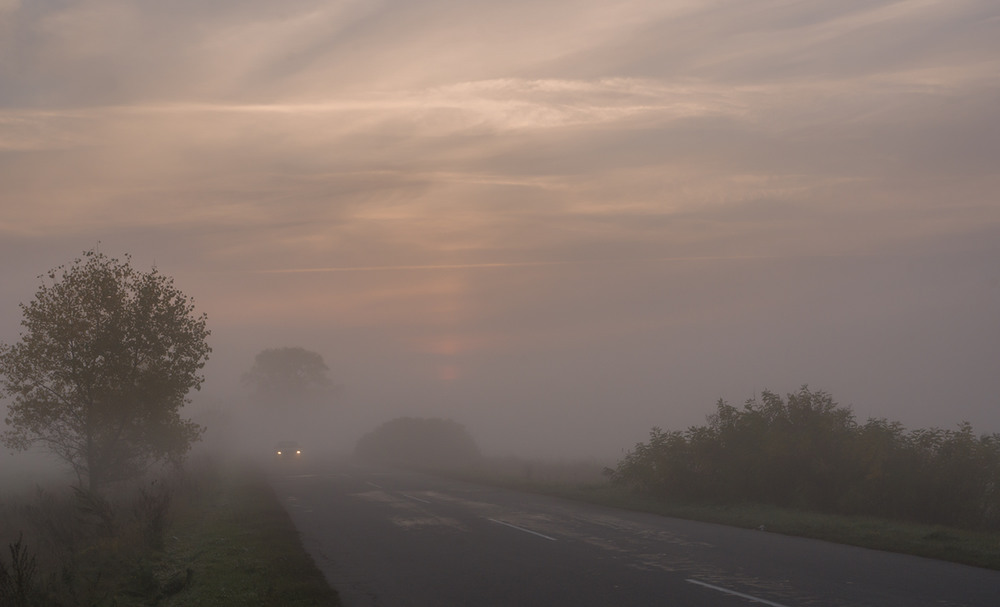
(373, 484)
(416, 499)
(493, 520)
(734, 593)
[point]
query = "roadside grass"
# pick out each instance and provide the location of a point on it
(970, 547)
(213, 535)
(76, 547)
(236, 546)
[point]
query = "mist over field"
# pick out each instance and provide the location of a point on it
(558, 223)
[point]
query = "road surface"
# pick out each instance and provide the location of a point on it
(392, 538)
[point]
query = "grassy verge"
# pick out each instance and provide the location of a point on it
(208, 536)
(234, 544)
(976, 548)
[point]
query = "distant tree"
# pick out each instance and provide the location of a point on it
(421, 442)
(103, 368)
(288, 374)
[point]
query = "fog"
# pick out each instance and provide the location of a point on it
(559, 224)
(906, 338)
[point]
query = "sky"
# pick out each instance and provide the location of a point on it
(560, 223)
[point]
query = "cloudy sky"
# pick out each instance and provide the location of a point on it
(558, 222)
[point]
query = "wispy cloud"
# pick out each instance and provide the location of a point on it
(642, 177)
(502, 265)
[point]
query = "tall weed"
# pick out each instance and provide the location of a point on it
(17, 581)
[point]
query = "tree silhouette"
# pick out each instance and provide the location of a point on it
(420, 442)
(103, 367)
(291, 373)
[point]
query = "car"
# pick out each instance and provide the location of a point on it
(287, 450)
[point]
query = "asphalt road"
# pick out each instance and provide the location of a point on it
(392, 538)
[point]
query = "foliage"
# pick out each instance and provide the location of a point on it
(205, 535)
(87, 549)
(806, 451)
(17, 582)
(421, 442)
(102, 369)
(285, 373)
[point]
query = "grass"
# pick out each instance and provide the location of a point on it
(234, 544)
(209, 536)
(969, 547)
(228, 541)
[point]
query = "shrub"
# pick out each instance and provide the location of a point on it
(17, 581)
(420, 442)
(806, 451)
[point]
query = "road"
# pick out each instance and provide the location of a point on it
(392, 538)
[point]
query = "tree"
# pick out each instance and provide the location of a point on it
(102, 369)
(294, 373)
(420, 442)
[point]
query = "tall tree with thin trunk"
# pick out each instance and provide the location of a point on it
(106, 360)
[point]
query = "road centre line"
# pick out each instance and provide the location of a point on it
(493, 520)
(748, 597)
(416, 499)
